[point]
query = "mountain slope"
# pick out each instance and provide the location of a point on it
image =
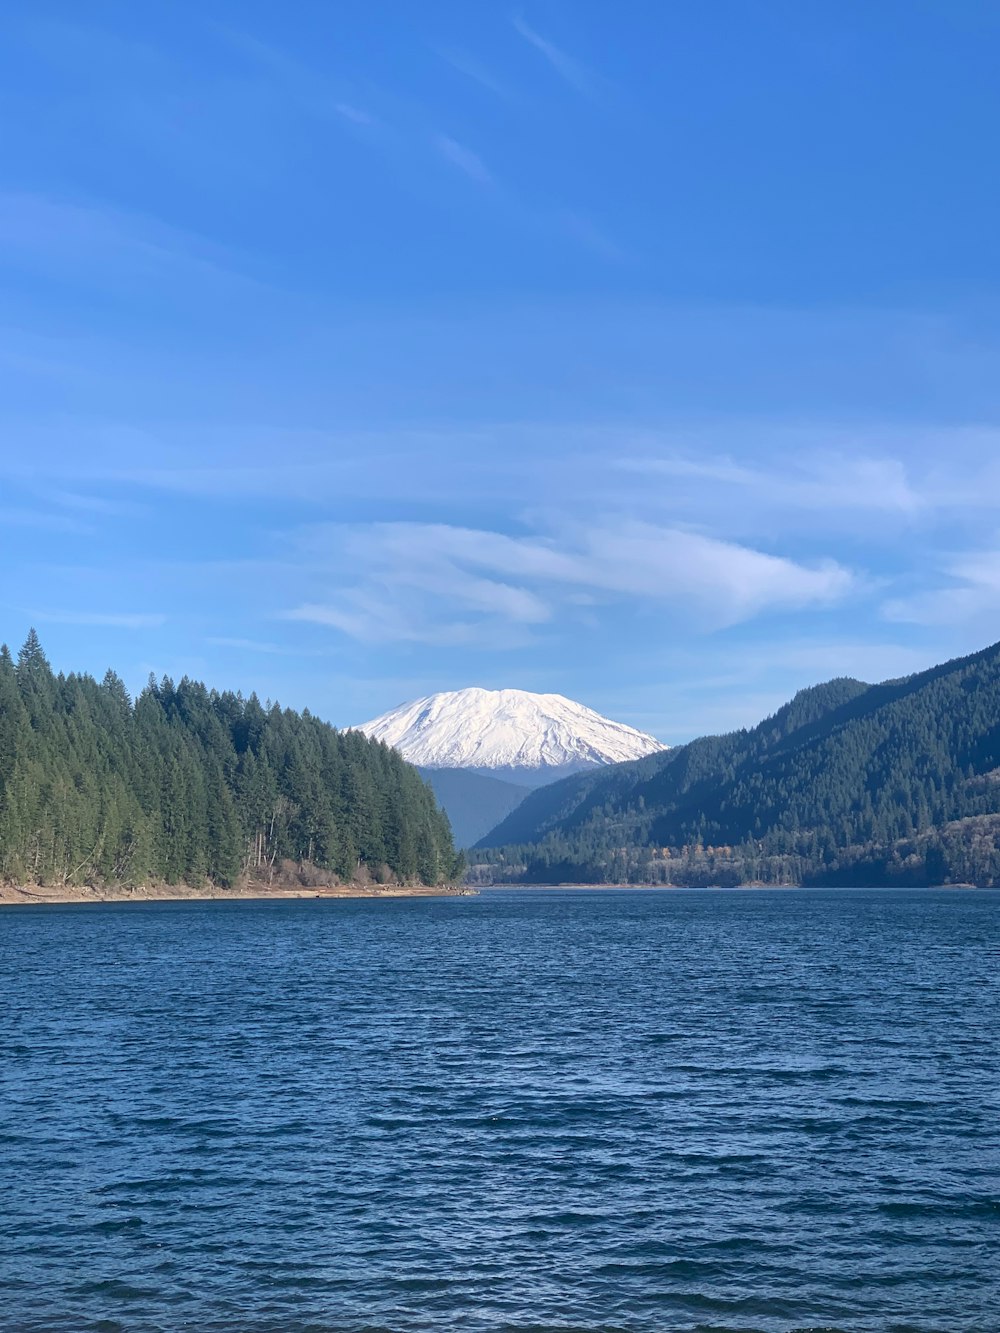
(845, 773)
(506, 731)
(473, 802)
(687, 772)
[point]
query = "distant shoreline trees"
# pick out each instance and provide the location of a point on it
(188, 785)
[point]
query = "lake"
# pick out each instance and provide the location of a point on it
(527, 1110)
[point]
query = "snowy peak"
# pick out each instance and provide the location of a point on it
(507, 729)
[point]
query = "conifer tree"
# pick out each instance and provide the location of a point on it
(187, 785)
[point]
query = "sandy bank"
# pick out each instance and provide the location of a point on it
(12, 895)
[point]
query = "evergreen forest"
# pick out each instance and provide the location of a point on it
(849, 783)
(188, 785)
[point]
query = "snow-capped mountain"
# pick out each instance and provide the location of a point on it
(531, 738)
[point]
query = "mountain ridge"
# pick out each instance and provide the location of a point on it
(845, 774)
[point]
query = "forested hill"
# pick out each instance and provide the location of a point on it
(848, 783)
(188, 785)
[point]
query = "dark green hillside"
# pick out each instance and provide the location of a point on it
(846, 775)
(685, 770)
(187, 785)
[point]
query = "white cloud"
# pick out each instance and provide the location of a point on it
(416, 578)
(463, 158)
(490, 596)
(728, 581)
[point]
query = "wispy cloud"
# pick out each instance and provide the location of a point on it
(353, 113)
(820, 480)
(319, 94)
(565, 65)
(103, 619)
(970, 595)
(463, 158)
(252, 646)
(102, 505)
(94, 241)
(373, 619)
(678, 473)
(585, 231)
(420, 575)
(472, 68)
(43, 521)
(729, 582)
(401, 141)
(445, 581)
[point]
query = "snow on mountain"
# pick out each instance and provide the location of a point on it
(509, 730)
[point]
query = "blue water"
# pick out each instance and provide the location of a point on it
(523, 1111)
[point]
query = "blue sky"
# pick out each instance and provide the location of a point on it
(646, 353)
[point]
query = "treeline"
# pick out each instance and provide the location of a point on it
(186, 784)
(848, 783)
(965, 851)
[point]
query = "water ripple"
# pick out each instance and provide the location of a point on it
(704, 1112)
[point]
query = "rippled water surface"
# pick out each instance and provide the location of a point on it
(533, 1110)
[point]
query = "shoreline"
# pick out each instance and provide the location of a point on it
(70, 895)
(750, 886)
(36, 895)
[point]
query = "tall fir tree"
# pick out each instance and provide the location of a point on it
(188, 785)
